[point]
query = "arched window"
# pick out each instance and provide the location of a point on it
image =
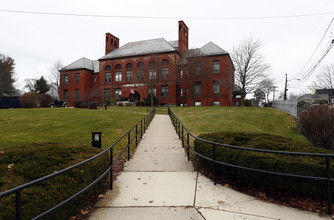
(118, 73)
(107, 74)
(118, 67)
(152, 63)
(140, 71)
(140, 65)
(128, 73)
(164, 62)
(165, 69)
(129, 65)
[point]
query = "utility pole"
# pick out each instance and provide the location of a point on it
(286, 84)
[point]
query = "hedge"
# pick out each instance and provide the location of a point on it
(301, 165)
(22, 164)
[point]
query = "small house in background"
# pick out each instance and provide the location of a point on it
(329, 92)
(169, 70)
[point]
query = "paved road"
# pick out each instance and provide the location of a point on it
(159, 183)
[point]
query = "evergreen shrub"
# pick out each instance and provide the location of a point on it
(24, 163)
(300, 165)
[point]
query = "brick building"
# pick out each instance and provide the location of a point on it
(168, 69)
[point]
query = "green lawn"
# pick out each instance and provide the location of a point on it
(66, 125)
(249, 119)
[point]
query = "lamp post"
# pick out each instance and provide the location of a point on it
(96, 139)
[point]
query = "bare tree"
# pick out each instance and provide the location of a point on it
(259, 96)
(266, 86)
(152, 76)
(54, 77)
(196, 68)
(250, 65)
(326, 77)
(30, 85)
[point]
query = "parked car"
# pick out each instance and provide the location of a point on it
(58, 103)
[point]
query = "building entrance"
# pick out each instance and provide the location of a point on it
(134, 97)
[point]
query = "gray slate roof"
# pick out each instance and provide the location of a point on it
(83, 63)
(174, 43)
(137, 48)
(210, 49)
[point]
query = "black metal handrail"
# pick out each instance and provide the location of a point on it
(143, 123)
(181, 130)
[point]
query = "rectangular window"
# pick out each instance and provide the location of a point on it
(216, 103)
(152, 89)
(128, 75)
(118, 76)
(65, 94)
(198, 88)
(216, 66)
(107, 93)
(66, 78)
(181, 92)
(140, 75)
(94, 80)
(107, 77)
(181, 74)
(198, 103)
(164, 73)
(152, 74)
(118, 93)
(76, 94)
(77, 77)
(197, 69)
(164, 91)
(216, 87)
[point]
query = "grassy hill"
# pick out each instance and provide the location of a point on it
(246, 119)
(65, 125)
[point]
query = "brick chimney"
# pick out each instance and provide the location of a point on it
(112, 42)
(183, 37)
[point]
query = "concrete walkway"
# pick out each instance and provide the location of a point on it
(159, 183)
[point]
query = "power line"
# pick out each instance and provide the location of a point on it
(307, 75)
(308, 61)
(307, 72)
(163, 17)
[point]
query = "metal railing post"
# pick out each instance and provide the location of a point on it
(129, 146)
(182, 138)
(329, 193)
(188, 145)
(213, 163)
(144, 124)
(111, 165)
(136, 136)
(179, 130)
(141, 129)
(18, 205)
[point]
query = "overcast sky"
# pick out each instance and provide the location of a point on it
(289, 30)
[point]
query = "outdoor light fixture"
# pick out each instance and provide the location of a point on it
(96, 139)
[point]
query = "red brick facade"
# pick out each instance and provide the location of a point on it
(170, 73)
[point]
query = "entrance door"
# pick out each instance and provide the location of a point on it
(134, 97)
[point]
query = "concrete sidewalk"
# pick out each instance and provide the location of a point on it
(159, 183)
